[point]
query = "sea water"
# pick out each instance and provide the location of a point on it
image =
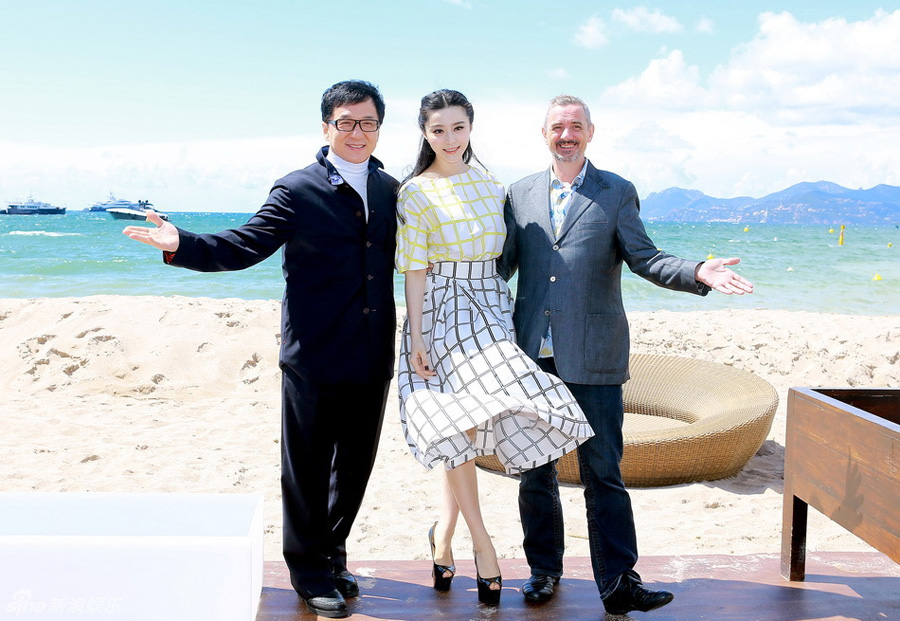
(793, 267)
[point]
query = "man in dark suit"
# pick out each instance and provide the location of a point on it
(336, 222)
(569, 229)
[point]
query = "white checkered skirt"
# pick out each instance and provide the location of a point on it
(522, 415)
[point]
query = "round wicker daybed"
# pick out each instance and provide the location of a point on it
(685, 420)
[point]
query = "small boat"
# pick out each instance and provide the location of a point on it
(126, 213)
(118, 203)
(32, 207)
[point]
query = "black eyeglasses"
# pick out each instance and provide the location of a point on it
(348, 125)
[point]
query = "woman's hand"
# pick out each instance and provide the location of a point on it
(418, 358)
(418, 352)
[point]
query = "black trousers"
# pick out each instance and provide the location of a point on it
(329, 440)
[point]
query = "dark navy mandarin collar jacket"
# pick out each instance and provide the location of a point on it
(338, 315)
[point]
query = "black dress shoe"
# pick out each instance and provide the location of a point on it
(630, 594)
(331, 605)
(346, 583)
(539, 589)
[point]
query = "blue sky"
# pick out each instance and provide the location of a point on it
(201, 105)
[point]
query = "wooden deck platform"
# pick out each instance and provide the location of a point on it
(859, 586)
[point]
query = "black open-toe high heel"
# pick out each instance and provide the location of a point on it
(487, 595)
(441, 582)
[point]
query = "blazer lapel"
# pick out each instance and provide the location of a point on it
(538, 204)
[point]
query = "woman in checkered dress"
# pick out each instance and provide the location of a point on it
(465, 388)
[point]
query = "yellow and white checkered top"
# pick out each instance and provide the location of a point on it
(456, 218)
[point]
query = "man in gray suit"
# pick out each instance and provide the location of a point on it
(569, 228)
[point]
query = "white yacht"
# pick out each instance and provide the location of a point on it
(127, 213)
(32, 207)
(122, 209)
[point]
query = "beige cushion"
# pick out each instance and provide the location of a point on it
(686, 420)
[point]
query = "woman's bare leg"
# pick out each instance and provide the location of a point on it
(448, 515)
(463, 482)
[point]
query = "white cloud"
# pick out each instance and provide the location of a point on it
(595, 32)
(651, 136)
(642, 19)
(236, 175)
(193, 176)
(592, 34)
(508, 138)
(558, 74)
(830, 71)
(705, 25)
(798, 102)
(668, 82)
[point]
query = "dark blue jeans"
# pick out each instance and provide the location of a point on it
(609, 515)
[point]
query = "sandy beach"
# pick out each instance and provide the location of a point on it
(153, 394)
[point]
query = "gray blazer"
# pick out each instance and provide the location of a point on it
(573, 282)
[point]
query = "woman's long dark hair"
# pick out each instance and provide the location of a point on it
(438, 100)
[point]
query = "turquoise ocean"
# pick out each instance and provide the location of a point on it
(794, 267)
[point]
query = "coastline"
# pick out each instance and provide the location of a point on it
(177, 394)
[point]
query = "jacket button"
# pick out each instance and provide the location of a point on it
(556, 246)
(365, 311)
(368, 244)
(358, 214)
(546, 312)
(553, 279)
(369, 277)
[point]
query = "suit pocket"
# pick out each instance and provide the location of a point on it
(606, 343)
(594, 216)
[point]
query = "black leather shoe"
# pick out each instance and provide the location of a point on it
(539, 589)
(331, 605)
(346, 583)
(630, 594)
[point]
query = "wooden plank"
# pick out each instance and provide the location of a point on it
(846, 488)
(879, 402)
(793, 537)
(839, 586)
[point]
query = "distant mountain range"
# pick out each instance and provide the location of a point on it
(805, 203)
